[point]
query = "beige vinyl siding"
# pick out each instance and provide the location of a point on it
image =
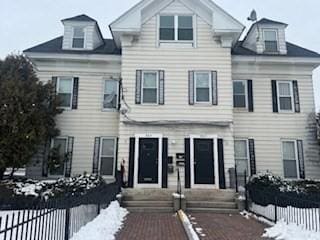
(176, 61)
(88, 121)
(268, 128)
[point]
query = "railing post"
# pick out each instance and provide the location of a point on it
(275, 209)
(236, 178)
(99, 208)
(67, 224)
(246, 191)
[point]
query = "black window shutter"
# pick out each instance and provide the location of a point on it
(191, 87)
(222, 178)
(214, 86)
(301, 159)
(252, 155)
(69, 156)
(75, 93)
(54, 85)
(187, 176)
(274, 96)
(165, 163)
(131, 162)
(138, 86)
(250, 96)
(296, 96)
(161, 87)
(46, 156)
(119, 94)
(96, 155)
(117, 173)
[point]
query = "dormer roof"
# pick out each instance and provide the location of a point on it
(80, 18)
(269, 21)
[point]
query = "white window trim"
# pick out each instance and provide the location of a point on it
(296, 157)
(136, 160)
(103, 93)
(157, 87)
(176, 28)
(245, 92)
(195, 87)
(84, 38)
(264, 41)
(291, 95)
(57, 91)
(248, 154)
(114, 156)
(64, 163)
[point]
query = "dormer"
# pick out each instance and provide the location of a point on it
(81, 33)
(176, 28)
(267, 37)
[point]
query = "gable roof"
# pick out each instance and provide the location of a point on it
(80, 18)
(55, 46)
(292, 51)
(269, 21)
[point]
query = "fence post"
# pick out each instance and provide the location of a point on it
(275, 209)
(67, 225)
(99, 207)
(236, 178)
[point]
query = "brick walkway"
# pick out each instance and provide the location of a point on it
(227, 227)
(152, 226)
(166, 226)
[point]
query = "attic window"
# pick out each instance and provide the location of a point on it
(270, 40)
(78, 37)
(176, 28)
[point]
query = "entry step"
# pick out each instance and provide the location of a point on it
(210, 204)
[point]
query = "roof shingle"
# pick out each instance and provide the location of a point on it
(81, 18)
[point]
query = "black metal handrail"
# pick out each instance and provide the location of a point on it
(179, 188)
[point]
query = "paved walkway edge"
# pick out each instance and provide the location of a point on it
(191, 233)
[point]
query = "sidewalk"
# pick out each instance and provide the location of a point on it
(166, 226)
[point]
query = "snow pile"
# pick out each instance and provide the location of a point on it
(283, 231)
(247, 216)
(105, 226)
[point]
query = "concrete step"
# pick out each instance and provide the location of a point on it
(209, 195)
(147, 194)
(210, 204)
(213, 210)
(147, 204)
(150, 209)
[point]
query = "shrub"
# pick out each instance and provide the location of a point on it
(268, 189)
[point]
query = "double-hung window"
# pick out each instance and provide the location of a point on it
(150, 87)
(64, 91)
(176, 28)
(290, 158)
(242, 156)
(78, 37)
(107, 156)
(270, 40)
(240, 94)
(110, 94)
(285, 96)
(56, 164)
(203, 88)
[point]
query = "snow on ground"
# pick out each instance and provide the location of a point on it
(284, 231)
(105, 226)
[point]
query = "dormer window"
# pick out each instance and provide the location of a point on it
(270, 37)
(176, 28)
(78, 37)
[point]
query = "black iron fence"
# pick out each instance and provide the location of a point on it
(179, 188)
(280, 206)
(57, 219)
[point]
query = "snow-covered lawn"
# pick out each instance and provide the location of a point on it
(284, 231)
(105, 226)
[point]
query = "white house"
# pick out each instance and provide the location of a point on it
(176, 88)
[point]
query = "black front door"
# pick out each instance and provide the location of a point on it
(148, 160)
(203, 161)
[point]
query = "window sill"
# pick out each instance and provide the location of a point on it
(65, 108)
(240, 110)
(109, 110)
(286, 112)
(175, 44)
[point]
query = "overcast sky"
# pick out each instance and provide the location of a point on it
(25, 23)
